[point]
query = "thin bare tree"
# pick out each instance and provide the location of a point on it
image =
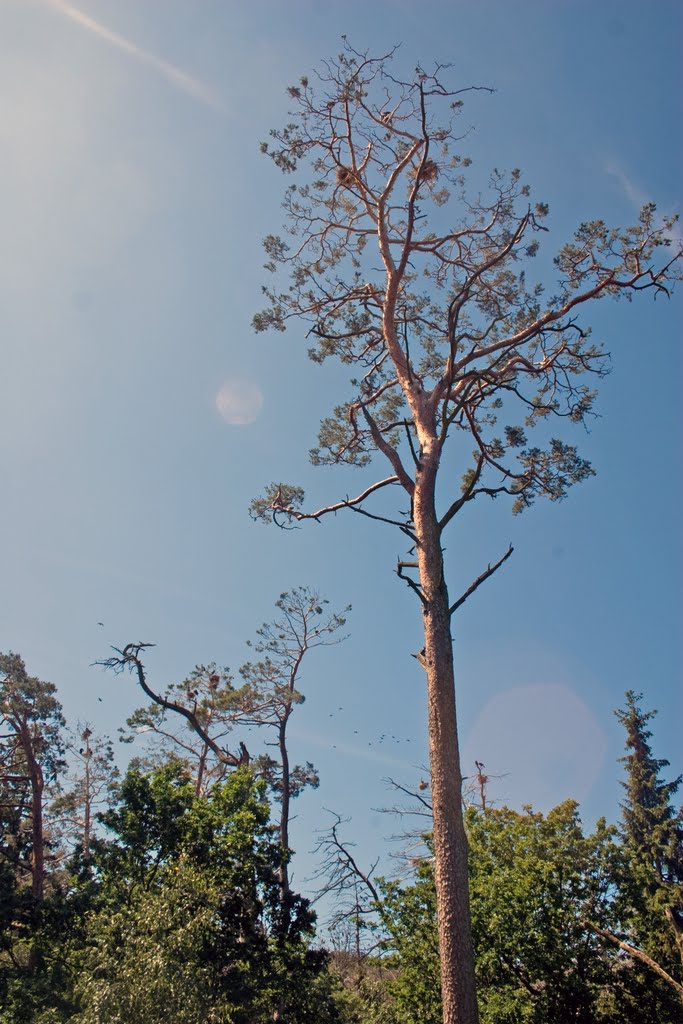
(303, 623)
(88, 786)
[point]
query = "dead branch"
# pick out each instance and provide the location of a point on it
(128, 657)
(637, 954)
(489, 571)
(342, 874)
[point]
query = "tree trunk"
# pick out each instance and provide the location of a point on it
(87, 810)
(37, 838)
(458, 984)
(284, 804)
(201, 769)
(677, 930)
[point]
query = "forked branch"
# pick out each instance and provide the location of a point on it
(340, 869)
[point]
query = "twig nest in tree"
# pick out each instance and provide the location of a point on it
(345, 176)
(428, 171)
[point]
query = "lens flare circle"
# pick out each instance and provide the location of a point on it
(239, 402)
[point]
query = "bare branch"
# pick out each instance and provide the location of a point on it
(274, 503)
(390, 452)
(415, 587)
(637, 954)
(488, 572)
(354, 890)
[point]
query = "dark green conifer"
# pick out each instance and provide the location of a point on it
(652, 830)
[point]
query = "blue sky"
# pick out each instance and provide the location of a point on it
(133, 201)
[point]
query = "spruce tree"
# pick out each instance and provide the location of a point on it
(652, 830)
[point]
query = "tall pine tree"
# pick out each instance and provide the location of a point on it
(652, 830)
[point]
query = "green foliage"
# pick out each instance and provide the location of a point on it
(154, 959)
(29, 704)
(188, 924)
(362, 994)
(535, 879)
(179, 911)
(651, 885)
(276, 496)
(535, 883)
(410, 916)
(31, 759)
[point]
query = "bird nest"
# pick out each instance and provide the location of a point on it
(427, 171)
(345, 176)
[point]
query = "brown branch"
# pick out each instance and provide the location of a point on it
(340, 866)
(420, 656)
(553, 315)
(637, 954)
(385, 519)
(459, 301)
(465, 497)
(411, 793)
(129, 657)
(346, 503)
(387, 450)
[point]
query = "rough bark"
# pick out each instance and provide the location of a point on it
(458, 983)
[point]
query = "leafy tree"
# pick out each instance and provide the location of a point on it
(192, 721)
(31, 760)
(534, 878)
(203, 710)
(189, 925)
(533, 881)
(364, 997)
(210, 694)
(418, 284)
(31, 754)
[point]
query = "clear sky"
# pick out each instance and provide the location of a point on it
(139, 414)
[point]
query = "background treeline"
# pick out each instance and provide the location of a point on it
(164, 894)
